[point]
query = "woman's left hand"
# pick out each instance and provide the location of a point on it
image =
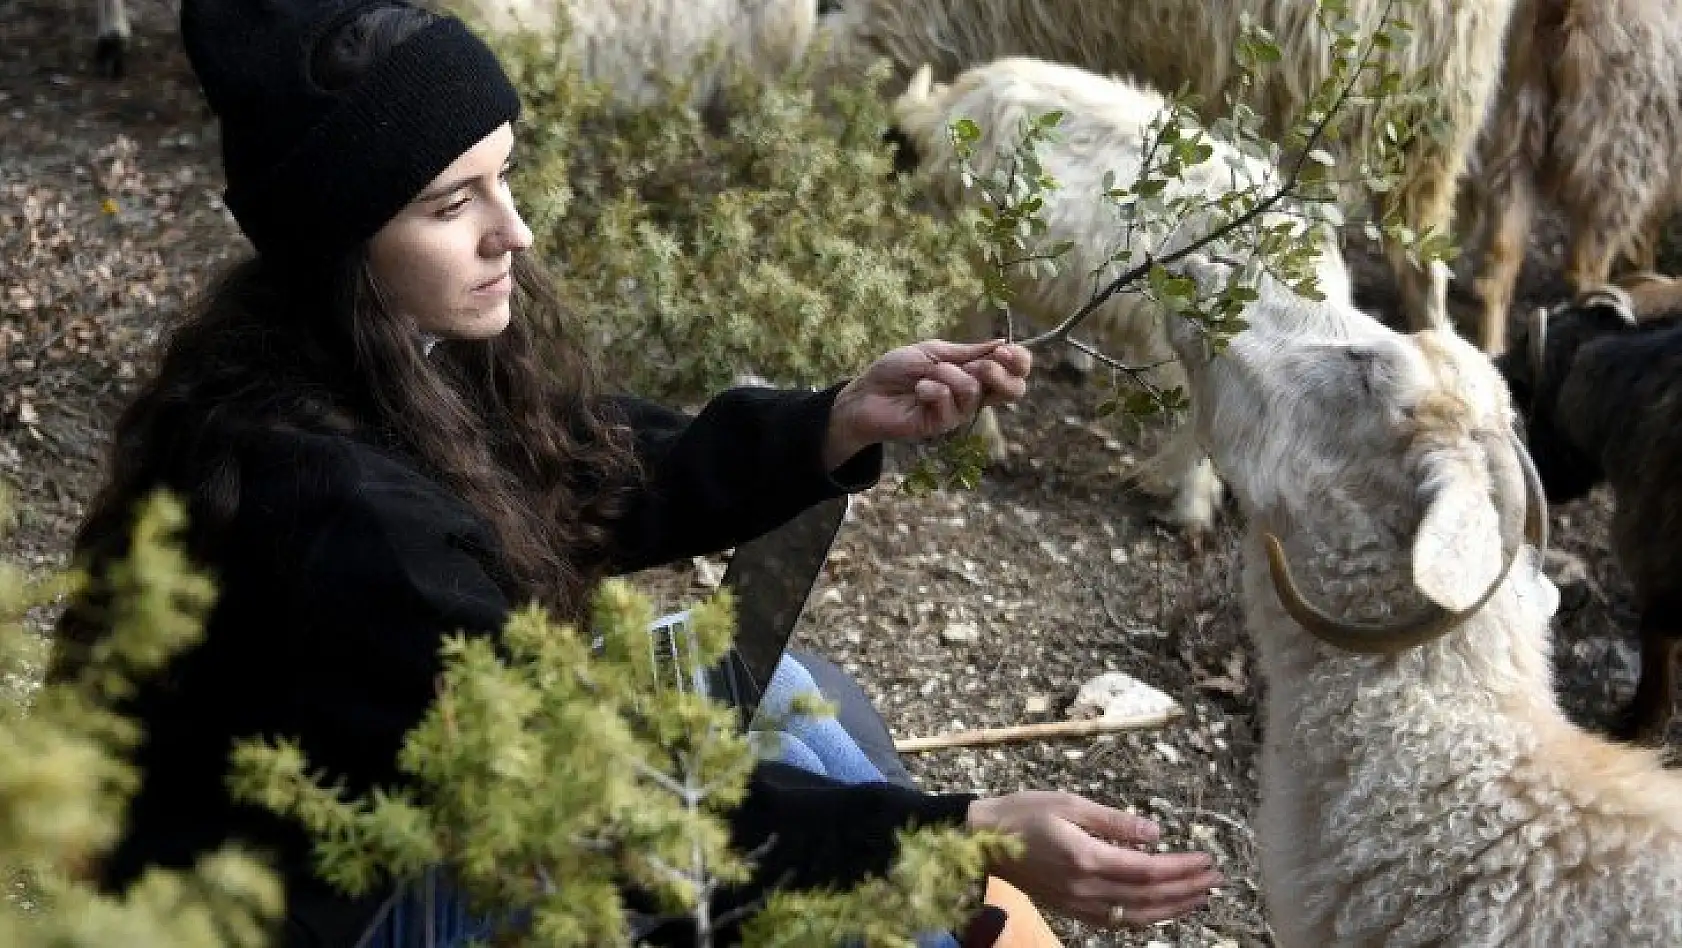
(923, 390)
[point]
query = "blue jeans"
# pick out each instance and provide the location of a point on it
(854, 746)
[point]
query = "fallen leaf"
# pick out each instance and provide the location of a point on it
(1235, 682)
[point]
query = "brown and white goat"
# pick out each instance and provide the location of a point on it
(1589, 118)
(1455, 46)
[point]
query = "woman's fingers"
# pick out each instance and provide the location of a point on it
(950, 393)
(1145, 905)
(1159, 912)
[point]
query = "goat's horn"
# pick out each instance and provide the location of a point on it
(1513, 486)
(1535, 499)
(1537, 330)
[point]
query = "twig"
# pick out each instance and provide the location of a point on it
(1261, 207)
(1032, 732)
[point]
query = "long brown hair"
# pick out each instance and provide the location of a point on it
(519, 435)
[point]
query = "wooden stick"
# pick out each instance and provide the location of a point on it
(1039, 731)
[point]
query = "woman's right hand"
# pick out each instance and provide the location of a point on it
(1079, 858)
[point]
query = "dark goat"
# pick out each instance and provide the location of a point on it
(1599, 379)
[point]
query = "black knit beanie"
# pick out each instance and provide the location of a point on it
(311, 173)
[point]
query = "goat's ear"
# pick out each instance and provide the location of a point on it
(1457, 551)
(921, 85)
(1653, 296)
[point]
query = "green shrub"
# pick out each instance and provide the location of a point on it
(782, 244)
(546, 775)
(65, 777)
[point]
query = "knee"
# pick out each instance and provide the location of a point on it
(788, 749)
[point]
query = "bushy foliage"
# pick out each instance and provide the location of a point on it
(554, 768)
(695, 247)
(65, 777)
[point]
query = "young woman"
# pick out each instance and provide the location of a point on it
(376, 455)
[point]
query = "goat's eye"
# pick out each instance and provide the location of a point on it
(1363, 363)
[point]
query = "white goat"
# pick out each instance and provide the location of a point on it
(1419, 783)
(630, 45)
(1456, 46)
(1106, 128)
(1589, 118)
(627, 44)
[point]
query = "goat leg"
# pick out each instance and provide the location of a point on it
(1590, 263)
(1641, 250)
(1647, 717)
(1510, 212)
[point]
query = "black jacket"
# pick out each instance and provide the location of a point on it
(345, 567)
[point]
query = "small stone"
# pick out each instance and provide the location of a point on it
(1116, 695)
(1168, 753)
(707, 573)
(960, 633)
(1038, 704)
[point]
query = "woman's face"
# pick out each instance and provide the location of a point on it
(444, 260)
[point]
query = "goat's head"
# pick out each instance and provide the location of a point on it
(1538, 368)
(1544, 344)
(1320, 417)
(919, 112)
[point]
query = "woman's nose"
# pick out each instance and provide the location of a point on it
(512, 234)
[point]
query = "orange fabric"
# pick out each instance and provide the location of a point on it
(1026, 927)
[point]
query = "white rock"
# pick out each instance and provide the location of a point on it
(707, 573)
(1114, 695)
(960, 633)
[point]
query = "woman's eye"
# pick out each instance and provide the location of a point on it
(453, 208)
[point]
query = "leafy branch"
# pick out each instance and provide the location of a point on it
(1306, 193)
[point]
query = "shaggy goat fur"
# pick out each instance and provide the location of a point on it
(630, 45)
(1602, 396)
(1106, 128)
(1437, 795)
(1166, 43)
(1589, 118)
(633, 45)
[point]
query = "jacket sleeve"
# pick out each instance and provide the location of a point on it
(810, 831)
(806, 831)
(749, 462)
